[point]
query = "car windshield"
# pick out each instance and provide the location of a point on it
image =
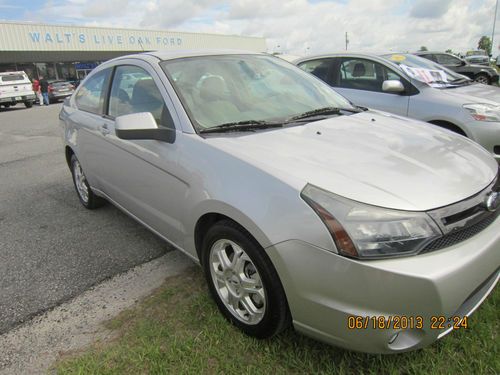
(426, 71)
(246, 89)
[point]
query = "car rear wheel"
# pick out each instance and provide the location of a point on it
(85, 194)
(28, 104)
(482, 78)
(243, 281)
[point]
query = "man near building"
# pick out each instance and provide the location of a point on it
(36, 89)
(44, 88)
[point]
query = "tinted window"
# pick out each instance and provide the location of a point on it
(361, 74)
(12, 77)
(429, 57)
(90, 96)
(319, 68)
(447, 60)
(133, 91)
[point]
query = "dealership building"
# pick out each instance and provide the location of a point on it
(71, 52)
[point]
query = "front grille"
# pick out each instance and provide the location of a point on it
(459, 235)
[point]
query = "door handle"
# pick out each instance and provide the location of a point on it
(104, 129)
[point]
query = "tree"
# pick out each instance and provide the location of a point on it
(423, 48)
(485, 44)
(449, 50)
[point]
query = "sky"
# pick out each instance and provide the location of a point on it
(296, 27)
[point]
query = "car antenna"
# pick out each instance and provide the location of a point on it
(140, 43)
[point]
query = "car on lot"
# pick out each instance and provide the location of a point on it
(412, 86)
(60, 89)
(301, 208)
(477, 57)
(479, 73)
(16, 87)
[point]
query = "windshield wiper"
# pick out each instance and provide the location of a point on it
(242, 126)
(316, 112)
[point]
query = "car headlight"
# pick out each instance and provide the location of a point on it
(483, 111)
(364, 231)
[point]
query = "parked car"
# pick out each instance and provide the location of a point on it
(412, 86)
(300, 207)
(59, 89)
(479, 73)
(16, 87)
(477, 57)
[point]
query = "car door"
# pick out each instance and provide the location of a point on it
(87, 119)
(360, 80)
(142, 175)
(454, 63)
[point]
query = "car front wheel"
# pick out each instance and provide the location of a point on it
(85, 194)
(243, 281)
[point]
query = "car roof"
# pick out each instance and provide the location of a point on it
(20, 72)
(375, 55)
(178, 54)
(432, 52)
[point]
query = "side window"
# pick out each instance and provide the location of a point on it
(429, 57)
(319, 68)
(133, 91)
(447, 60)
(361, 74)
(90, 96)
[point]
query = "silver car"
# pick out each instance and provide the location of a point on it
(363, 229)
(412, 86)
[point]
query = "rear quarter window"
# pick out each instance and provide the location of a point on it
(13, 77)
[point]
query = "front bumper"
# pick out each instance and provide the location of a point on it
(324, 290)
(487, 134)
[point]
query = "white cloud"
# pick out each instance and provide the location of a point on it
(429, 8)
(297, 26)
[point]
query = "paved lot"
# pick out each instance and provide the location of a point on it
(51, 248)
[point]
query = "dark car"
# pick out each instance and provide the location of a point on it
(479, 73)
(60, 90)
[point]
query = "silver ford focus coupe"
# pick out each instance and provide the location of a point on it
(362, 229)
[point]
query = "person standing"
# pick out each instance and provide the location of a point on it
(36, 89)
(44, 88)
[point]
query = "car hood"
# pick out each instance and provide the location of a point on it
(371, 157)
(475, 93)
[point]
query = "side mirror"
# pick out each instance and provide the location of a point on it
(142, 126)
(393, 85)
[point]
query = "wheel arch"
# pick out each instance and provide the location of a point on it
(449, 126)
(68, 151)
(209, 217)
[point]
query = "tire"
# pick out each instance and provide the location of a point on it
(85, 194)
(232, 260)
(28, 104)
(482, 78)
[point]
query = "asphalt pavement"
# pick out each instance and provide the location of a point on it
(51, 248)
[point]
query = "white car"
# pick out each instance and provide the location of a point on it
(16, 87)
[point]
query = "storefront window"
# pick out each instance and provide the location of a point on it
(29, 69)
(8, 67)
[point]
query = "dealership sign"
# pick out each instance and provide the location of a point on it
(100, 40)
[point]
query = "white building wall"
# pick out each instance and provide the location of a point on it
(41, 37)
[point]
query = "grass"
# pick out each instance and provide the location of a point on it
(179, 330)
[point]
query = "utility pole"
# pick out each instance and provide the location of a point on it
(347, 40)
(493, 32)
